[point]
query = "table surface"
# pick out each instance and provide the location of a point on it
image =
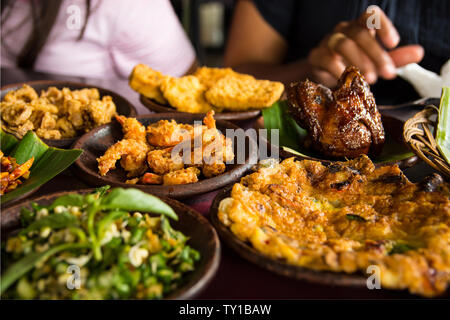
(236, 277)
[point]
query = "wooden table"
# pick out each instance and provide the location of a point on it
(236, 278)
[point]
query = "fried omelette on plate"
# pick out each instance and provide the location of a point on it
(345, 217)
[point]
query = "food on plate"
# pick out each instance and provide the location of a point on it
(147, 81)
(28, 163)
(244, 93)
(344, 217)
(149, 154)
(55, 113)
(186, 94)
(106, 245)
(341, 123)
(11, 172)
(218, 89)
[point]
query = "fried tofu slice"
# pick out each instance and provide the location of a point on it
(243, 93)
(209, 76)
(186, 94)
(147, 82)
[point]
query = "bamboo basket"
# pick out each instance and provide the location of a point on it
(418, 133)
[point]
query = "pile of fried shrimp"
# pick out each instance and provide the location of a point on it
(148, 154)
(55, 113)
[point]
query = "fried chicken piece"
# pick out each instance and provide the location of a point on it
(166, 133)
(186, 94)
(341, 123)
(161, 162)
(182, 176)
(132, 128)
(147, 82)
(243, 92)
(135, 152)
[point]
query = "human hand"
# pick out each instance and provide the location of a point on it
(373, 50)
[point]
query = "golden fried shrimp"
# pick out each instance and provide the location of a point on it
(214, 169)
(161, 162)
(132, 128)
(134, 150)
(166, 133)
(183, 176)
(151, 178)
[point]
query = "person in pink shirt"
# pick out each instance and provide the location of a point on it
(101, 39)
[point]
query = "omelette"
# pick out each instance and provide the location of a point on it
(346, 217)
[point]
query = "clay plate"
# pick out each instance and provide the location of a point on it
(246, 251)
(202, 237)
(124, 107)
(392, 126)
(232, 116)
(95, 143)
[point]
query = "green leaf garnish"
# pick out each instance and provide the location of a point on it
(355, 217)
(443, 128)
(400, 248)
(48, 161)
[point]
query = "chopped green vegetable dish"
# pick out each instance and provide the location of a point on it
(96, 246)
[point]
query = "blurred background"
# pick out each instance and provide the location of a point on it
(206, 22)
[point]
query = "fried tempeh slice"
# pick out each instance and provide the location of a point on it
(186, 94)
(244, 92)
(147, 81)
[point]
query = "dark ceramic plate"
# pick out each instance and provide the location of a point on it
(96, 142)
(395, 151)
(247, 251)
(237, 115)
(124, 107)
(202, 237)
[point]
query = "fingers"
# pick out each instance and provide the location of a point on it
(369, 45)
(323, 58)
(385, 31)
(353, 55)
(407, 54)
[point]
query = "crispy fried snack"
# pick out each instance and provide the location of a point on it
(134, 151)
(243, 93)
(55, 114)
(186, 94)
(182, 176)
(209, 76)
(148, 158)
(11, 171)
(345, 217)
(147, 82)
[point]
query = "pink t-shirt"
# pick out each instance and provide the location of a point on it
(119, 35)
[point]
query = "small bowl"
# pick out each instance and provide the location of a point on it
(123, 106)
(230, 116)
(202, 237)
(96, 142)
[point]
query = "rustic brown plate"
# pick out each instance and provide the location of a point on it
(392, 126)
(124, 107)
(232, 116)
(202, 237)
(96, 142)
(246, 251)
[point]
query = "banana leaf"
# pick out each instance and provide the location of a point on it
(292, 137)
(48, 161)
(443, 129)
